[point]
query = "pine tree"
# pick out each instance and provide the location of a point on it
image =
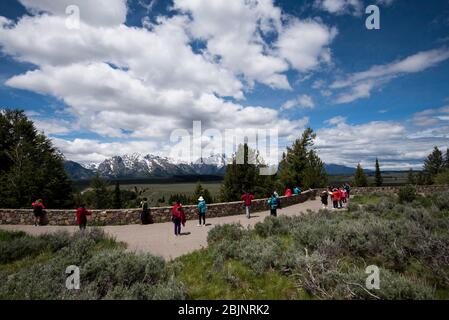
(30, 167)
(446, 164)
(241, 174)
(100, 193)
(301, 166)
(200, 191)
(434, 164)
(378, 174)
(411, 177)
(117, 201)
(360, 179)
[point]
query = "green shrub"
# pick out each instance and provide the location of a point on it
(232, 232)
(407, 194)
(273, 226)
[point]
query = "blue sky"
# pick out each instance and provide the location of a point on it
(133, 72)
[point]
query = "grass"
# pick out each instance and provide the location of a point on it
(366, 199)
(321, 255)
(234, 281)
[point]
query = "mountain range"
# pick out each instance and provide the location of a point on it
(136, 166)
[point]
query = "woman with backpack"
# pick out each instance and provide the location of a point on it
(202, 211)
(178, 217)
(38, 210)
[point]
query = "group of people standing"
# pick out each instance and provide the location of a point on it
(178, 216)
(339, 196)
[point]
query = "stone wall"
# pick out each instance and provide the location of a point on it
(388, 190)
(132, 216)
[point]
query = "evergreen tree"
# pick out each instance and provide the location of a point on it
(360, 179)
(101, 195)
(301, 166)
(411, 177)
(30, 167)
(314, 175)
(446, 162)
(117, 201)
(434, 164)
(200, 191)
(378, 174)
(241, 174)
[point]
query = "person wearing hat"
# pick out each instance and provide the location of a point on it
(202, 211)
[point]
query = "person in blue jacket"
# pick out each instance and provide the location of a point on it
(202, 211)
(297, 190)
(273, 203)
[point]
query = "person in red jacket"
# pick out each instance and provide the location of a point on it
(81, 216)
(178, 217)
(38, 210)
(288, 192)
(336, 196)
(247, 198)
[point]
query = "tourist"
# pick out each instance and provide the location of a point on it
(202, 211)
(145, 214)
(347, 189)
(296, 191)
(341, 201)
(344, 195)
(288, 192)
(274, 204)
(38, 210)
(335, 198)
(324, 197)
(247, 198)
(81, 217)
(178, 217)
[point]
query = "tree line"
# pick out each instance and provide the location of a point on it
(32, 168)
(435, 171)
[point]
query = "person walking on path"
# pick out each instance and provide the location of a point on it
(288, 192)
(81, 217)
(335, 198)
(202, 211)
(273, 203)
(38, 210)
(247, 198)
(145, 214)
(178, 217)
(324, 198)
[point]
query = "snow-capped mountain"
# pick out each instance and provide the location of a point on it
(139, 166)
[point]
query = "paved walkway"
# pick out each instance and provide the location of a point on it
(159, 238)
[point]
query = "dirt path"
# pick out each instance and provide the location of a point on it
(159, 239)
